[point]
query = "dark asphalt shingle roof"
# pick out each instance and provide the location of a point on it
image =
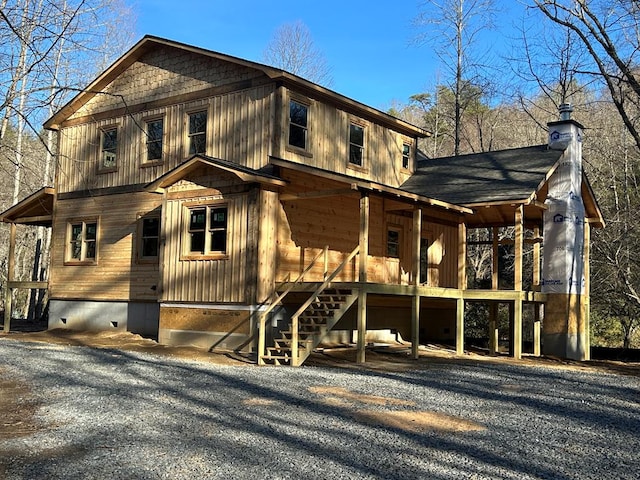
(488, 177)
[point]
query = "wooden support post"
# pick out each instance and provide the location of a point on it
(519, 257)
(493, 328)
(496, 254)
(586, 292)
(362, 276)
(536, 281)
(11, 263)
(415, 306)
(459, 326)
(537, 307)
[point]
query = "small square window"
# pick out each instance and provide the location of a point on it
(109, 149)
(356, 144)
(298, 124)
(406, 155)
(154, 134)
(197, 133)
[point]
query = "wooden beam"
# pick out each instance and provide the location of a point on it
(517, 329)
(537, 317)
(493, 328)
(415, 326)
(462, 256)
(288, 197)
(415, 305)
(494, 258)
(28, 285)
(586, 293)
(11, 265)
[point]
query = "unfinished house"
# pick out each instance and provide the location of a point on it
(213, 201)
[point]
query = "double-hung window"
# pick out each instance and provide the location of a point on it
(197, 132)
(356, 144)
(298, 126)
(149, 234)
(154, 136)
(406, 155)
(393, 242)
(82, 241)
(109, 148)
(207, 230)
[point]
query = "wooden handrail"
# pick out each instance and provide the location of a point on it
(294, 319)
(278, 299)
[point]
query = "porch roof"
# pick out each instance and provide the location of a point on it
(36, 209)
(482, 178)
(361, 184)
(245, 174)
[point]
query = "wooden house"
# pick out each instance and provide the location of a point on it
(217, 202)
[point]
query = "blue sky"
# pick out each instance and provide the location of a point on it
(369, 45)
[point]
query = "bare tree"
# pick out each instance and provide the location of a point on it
(293, 50)
(454, 26)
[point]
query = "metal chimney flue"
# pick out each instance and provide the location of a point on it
(565, 110)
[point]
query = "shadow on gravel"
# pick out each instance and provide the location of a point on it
(200, 414)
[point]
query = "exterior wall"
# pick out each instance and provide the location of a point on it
(306, 226)
(329, 143)
(136, 317)
(230, 278)
(117, 274)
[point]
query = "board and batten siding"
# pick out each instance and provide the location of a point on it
(230, 279)
(239, 129)
(328, 134)
(117, 274)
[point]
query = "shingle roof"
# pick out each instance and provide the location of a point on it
(489, 177)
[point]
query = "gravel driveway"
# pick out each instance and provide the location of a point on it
(110, 414)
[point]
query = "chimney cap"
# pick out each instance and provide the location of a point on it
(565, 110)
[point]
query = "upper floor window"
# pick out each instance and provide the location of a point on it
(393, 242)
(197, 133)
(298, 128)
(82, 241)
(406, 155)
(108, 148)
(154, 136)
(356, 144)
(207, 230)
(149, 234)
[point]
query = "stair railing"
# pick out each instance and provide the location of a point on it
(278, 299)
(295, 356)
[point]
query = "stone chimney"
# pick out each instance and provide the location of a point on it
(565, 325)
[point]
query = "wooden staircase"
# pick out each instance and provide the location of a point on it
(309, 326)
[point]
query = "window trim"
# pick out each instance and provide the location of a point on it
(83, 260)
(363, 147)
(189, 135)
(146, 162)
(140, 257)
(101, 150)
(185, 232)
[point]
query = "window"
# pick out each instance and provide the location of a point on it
(155, 130)
(424, 260)
(406, 155)
(197, 133)
(207, 230)
(298, 124)
(393, 242)
(82, 245)
(149, 232)
(356, 144)
(109, 147)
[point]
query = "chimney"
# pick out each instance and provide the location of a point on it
(565, 329)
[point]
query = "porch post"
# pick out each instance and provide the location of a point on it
(493, 307)
(536, 284)
(362, 276)
(11, 264)
(586, 292)
(519, 253)
(462, 285)
(415, 306)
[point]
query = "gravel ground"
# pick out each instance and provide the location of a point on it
(111, 414)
